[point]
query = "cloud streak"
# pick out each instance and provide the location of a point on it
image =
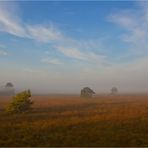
(3, 53)
(44, 34)
(9, 22)
(51, 61)
(73, 52)
(135, 26)
(48, 34)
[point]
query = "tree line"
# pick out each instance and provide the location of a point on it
(22, 102)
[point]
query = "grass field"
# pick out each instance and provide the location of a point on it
(72, 121)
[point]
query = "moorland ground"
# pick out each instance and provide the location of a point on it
(73, 121)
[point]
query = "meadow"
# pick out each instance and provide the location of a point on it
(71, 121)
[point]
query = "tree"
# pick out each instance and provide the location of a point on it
(114, 91)
(9, 84)
(86, 92)
(9, 89)
(20, 103)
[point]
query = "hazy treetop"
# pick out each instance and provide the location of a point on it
(9, 84)
(88, 90)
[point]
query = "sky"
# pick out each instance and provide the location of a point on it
(63, 46)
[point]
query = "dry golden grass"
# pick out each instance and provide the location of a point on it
(74, 121)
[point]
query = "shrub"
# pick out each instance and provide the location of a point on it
(20, 103)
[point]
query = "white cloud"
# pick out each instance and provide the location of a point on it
(81, 50)
(124, 19)
(135, 24)
(43, 33)
(12, 24)
(3, 53)
(9, 22)
(51, 61)
(76, 53)
(72, 52)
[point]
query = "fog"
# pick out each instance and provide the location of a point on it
(128, 78)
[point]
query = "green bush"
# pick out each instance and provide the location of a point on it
(20, 103)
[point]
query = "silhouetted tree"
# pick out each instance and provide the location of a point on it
(8, 89)
(20, 103)
(86, 92)
(9, 84)
(114, 90)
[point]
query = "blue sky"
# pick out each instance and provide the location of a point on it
(61, 46)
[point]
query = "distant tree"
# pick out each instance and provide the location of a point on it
(9, 84)
(20, 103)
(114, 90)
(7, 90)
(86, 92)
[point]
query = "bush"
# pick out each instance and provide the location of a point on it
(20, 103)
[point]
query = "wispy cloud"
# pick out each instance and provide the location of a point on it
(73, 52)
(9, 22)
(47, 34)
(51, 61)
(43, 33)
(3, 53)
(135, 25)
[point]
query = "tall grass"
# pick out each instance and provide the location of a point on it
(103, 121)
